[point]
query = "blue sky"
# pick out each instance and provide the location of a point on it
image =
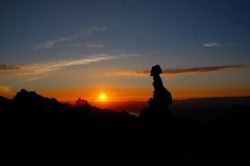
(62, 36)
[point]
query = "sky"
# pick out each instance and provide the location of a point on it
(81, 48)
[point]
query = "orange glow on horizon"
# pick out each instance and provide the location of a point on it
(123, 94)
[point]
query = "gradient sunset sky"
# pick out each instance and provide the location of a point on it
(80, 48)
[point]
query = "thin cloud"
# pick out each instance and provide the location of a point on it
(10, 68)
(51, 43)
(211, 45)
(85, 32)
(94, 46)
(39, 70)
(196, 70)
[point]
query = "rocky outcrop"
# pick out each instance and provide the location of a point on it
(158, 105)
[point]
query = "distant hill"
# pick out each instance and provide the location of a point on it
(207, 108)
(226, 102)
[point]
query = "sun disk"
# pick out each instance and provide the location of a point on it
(102, 97)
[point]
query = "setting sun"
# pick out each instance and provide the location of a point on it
(102, 97)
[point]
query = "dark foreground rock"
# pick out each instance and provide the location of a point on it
(41, 131)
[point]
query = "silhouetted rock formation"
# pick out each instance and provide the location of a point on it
(32, 101)
(81, 102)
(162, 98)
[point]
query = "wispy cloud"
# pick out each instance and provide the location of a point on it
(84, 32)
(39, 70)
(8, 67)
(51, 43)
(196, 70)
(211, 44)
(94, 46)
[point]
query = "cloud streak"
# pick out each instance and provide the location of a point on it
(39, 70)
(85, 32)
(196, 70)
(94, 46)
(211, 45)
(10, 68)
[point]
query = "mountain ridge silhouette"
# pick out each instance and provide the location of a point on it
(37, 129)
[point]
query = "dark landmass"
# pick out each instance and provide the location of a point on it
(198, 109)
(42, 131)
